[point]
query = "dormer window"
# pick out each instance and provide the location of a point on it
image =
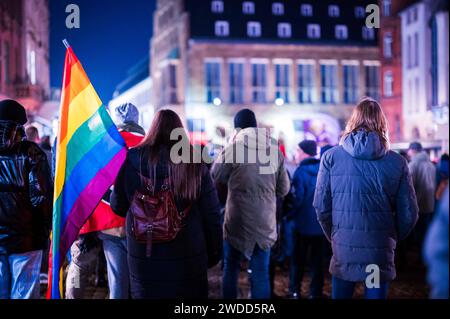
(284, 30)
(341, 32)
(368, 33)
(360, 12)
(306, 10)
(222, 29)
(333, 11)
(313, 31)
(248, 7)
(254, 29)
(278, 8)
(217, 6)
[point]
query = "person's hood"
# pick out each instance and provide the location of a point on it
(11, 133)
(364, 145)
(310, 166)
(421, 157)
(254, 138)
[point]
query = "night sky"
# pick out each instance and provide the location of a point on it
(113, 37)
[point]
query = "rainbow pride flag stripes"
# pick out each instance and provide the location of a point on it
(89, 154)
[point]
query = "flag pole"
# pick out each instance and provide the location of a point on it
(66, 44)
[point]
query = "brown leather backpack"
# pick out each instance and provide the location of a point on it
(155, 216)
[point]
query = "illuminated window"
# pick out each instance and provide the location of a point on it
(222, 29)
(360, 12)
(284, 30)
(248, 7)
(329, 83)
(388, 80)
(217, 6)
(341, 32)
(236, 72)
(306, 10)
(372, 81)
(305, 83)
(387, 45)
(313, 31)
(282, 82)
(333, 11)
(351, 83)
(277, 8)
(213, 83)
(254, 29)
(259, 82)
(368, 33)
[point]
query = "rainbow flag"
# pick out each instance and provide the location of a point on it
(89, 154)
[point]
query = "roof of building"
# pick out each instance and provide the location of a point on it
(203, 19)
(136, 74)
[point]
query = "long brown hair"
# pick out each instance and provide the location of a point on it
(368, 116)
(185, 177)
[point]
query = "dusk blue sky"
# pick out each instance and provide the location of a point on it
(114, 36)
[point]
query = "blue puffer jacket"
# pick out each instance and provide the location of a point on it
(365, 202)
(304, 182)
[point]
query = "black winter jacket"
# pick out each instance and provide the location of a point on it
(25, 192)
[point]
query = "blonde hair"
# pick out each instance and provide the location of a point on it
(368, 116)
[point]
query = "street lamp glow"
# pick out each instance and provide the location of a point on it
(217, 101)
(279, 101)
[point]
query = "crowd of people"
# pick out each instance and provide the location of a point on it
(358, 207)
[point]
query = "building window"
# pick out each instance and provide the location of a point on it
(329, 83)
(416, 93)
(217, 6)
(412, 15)
(236, 83)
(368, 33)
(409, 54)
(31, 66)
(360, 12)
(284, 30)
(169, 85)
(387, 6)
(259, 82)
(7, 63)
(372, 81)
(351, 83)
(305, 83)
(278, 8)
(222, 29)
(313, 31)
(282, 82)
(248, 7)
(416, 49)
(333, 11)
(254, 29)
(388, 84)
(196, 125)
(434, 63)
(306, 10)
(387, 45)
(213, 75)
(341, 32)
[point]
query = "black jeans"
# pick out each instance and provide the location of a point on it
(315, 246)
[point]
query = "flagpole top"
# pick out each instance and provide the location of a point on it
(66, 44)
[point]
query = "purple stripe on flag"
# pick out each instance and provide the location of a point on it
(88, 200)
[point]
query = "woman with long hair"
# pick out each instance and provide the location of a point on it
(175, 268)
(365, 202)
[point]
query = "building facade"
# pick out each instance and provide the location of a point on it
(24, 52)
(390, 42)
(300, 66)
(425, 71)
(136, 88)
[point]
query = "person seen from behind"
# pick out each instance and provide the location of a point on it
(308, 236)
(365, 203)
(250, 226)
(153, 187)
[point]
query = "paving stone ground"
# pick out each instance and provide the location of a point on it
(410, 284)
